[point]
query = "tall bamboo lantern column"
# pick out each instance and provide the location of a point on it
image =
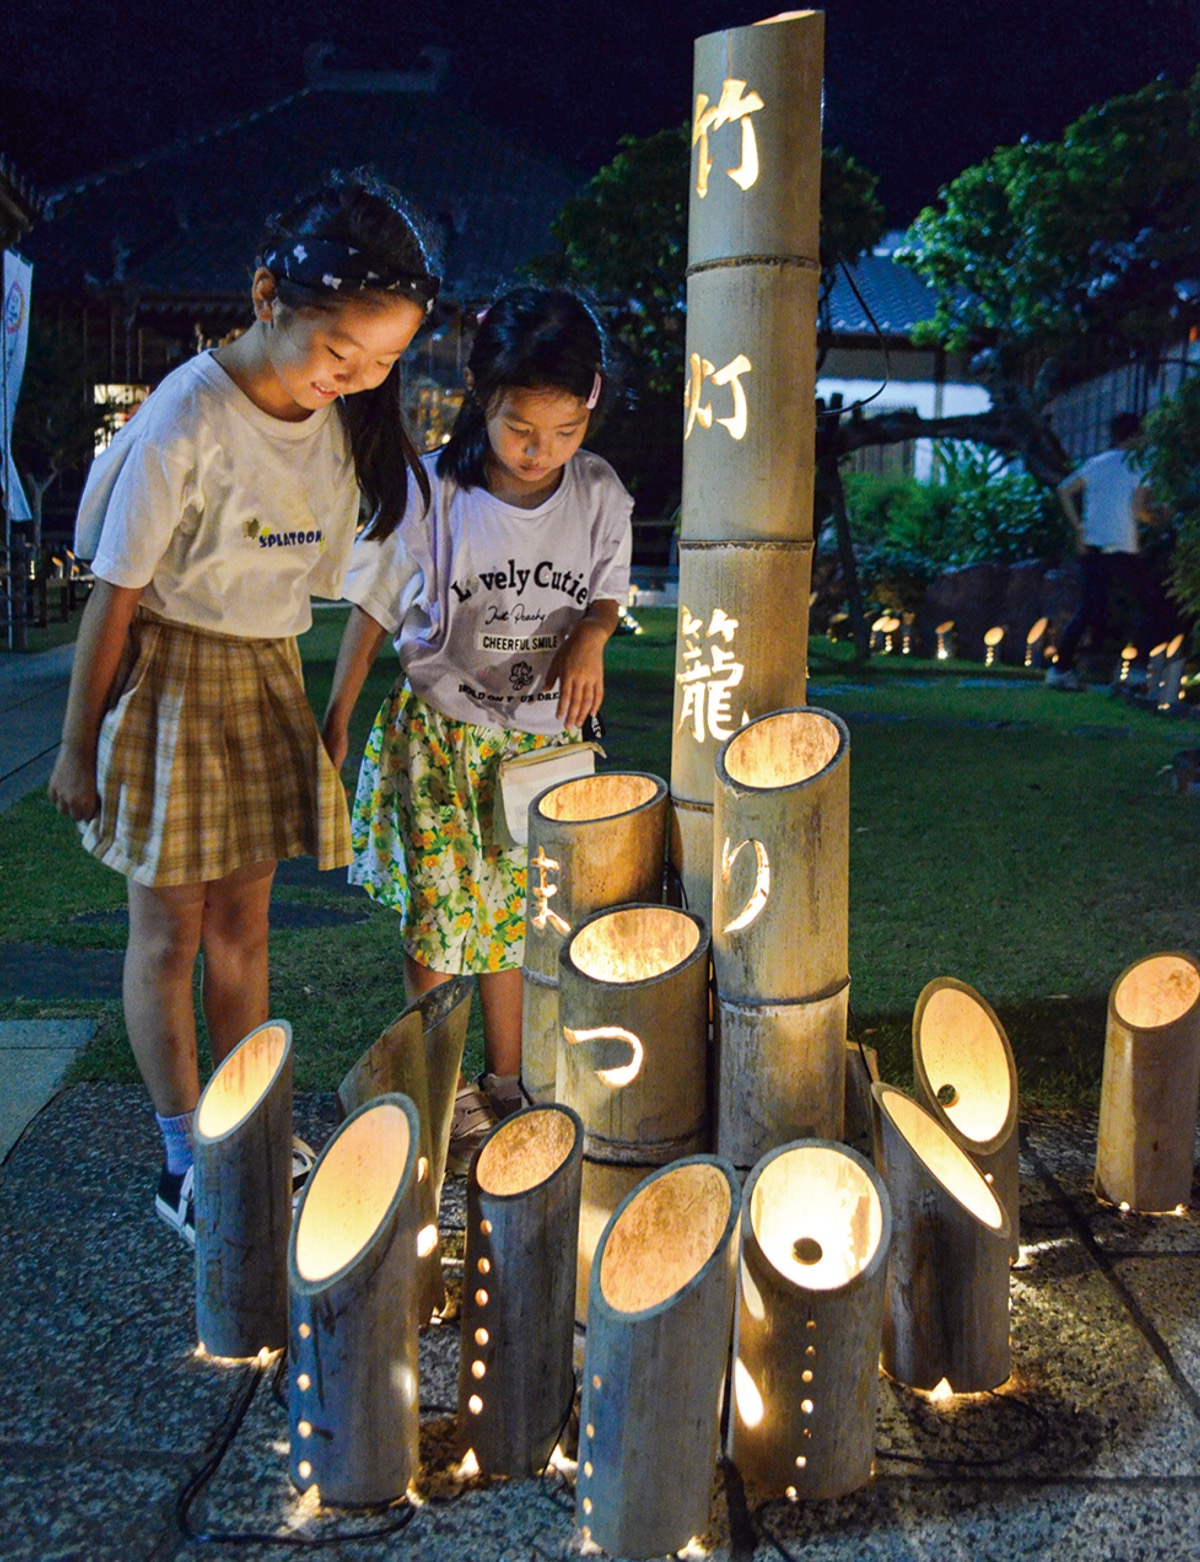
(1149, 1089)
(354, 1283)
(516, 1385)
(243, 1181)
(661, 1310)
(633, 1053)
(816, 1229)
(780, 931)
(947, 1295)
(419, 1055)
(593, 842)
(745, 552)
(966, 1078)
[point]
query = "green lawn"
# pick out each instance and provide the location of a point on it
(1022, 840)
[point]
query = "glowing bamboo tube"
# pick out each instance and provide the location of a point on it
(419, 1055)
(745, 553)
(633, 1053)
(1170, 685)
(816, 1229)
(1149, 1090)
(354, 1282)
(243, 1184)
(1155, 664)
(594, 842)
(947, 1294)
(991, 642)
(966, 1079)
(780, 931)
(1035, 643)
(516, 1384)
(660, 1311)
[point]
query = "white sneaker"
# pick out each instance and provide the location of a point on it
(1063, 678)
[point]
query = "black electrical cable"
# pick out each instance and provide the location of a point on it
(837, 412)
(549, 1490)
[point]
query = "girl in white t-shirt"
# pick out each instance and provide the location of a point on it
(500, 595)
(189, 754)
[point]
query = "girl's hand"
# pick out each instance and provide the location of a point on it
(336, 738)
(72, 785)
(578, 666)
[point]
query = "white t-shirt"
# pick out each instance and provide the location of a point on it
(231, 519)
(1110, 482)
(479, 594)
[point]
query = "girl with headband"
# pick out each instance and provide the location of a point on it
(189, 754)
(500, 595)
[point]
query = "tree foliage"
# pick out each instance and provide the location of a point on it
(1171, 440)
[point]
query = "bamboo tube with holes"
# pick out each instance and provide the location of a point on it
(816, 1231)
(594, 842)
(1148, 1094)
(419, 1055)
(745, 551)
(352, 1398)
(966, 1078)
(660, 1315)
(947, 1295)
(633, 1053)
(242, 1141)
(516, 1386)
(781, 930)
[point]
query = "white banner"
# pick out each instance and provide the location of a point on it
(14, 327)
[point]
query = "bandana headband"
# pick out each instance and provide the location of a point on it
(326, 265)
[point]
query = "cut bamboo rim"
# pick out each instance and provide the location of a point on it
(816, 1231)
(516, 1384)
(660, 1315)
(242, 1142)
(594, 842)
(354, 1285)
(967, 1080)
(1148, 1094)
(947, 1299)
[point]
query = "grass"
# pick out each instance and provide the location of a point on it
(1017, 838)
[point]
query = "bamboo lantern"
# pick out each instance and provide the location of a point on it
(354, 1282)
(633, 1056)
(660, 1311)
(858, 1124)
(991, 641)
(1155, 665)
(516, 1386)
(242, 1140)
(1170, 685)
(1149, 1089)
(593, 842)
(816, 1229)
(780, 930)
(946, 642)
(419, 1055)
(1035, 643)
(745, 553)
(1128, 657)
(947, 1296)
(967, 1080)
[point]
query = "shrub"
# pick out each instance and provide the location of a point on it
(1171, 440)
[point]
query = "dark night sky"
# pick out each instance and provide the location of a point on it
(916, 90)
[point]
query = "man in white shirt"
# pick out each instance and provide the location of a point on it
(1104, 500)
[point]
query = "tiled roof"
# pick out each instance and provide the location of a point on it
(896, 297)
(184, 221)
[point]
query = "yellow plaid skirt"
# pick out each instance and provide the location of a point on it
(210, 758)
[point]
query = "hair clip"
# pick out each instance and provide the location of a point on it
(597, 383)
(482, 315)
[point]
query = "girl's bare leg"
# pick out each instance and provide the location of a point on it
(234, 939)
(500, 994)
(164, 938)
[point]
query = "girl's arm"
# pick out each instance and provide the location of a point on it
(361, 640)
(578, 666)
(103, 631)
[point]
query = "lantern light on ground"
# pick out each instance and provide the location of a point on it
(945, 640)
(1035, 643)
(967, 1080)
(816, 1230)
(1148, 1093)
(991, 641)
(516, 1383)
(659, 1321)
(354, 1284)
(242, 1141)
(947, 1293)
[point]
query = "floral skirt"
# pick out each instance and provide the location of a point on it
(424, 839)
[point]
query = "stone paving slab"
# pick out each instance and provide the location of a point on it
(34, 1056)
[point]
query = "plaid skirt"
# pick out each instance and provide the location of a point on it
(209, 759)
(423, 831)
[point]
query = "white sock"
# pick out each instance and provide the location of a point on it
(177, 1141)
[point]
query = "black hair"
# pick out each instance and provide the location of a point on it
(1123, 426)
(534, 338)
(359, 210)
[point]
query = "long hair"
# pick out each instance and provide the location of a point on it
(359, 209)
(534, 338)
